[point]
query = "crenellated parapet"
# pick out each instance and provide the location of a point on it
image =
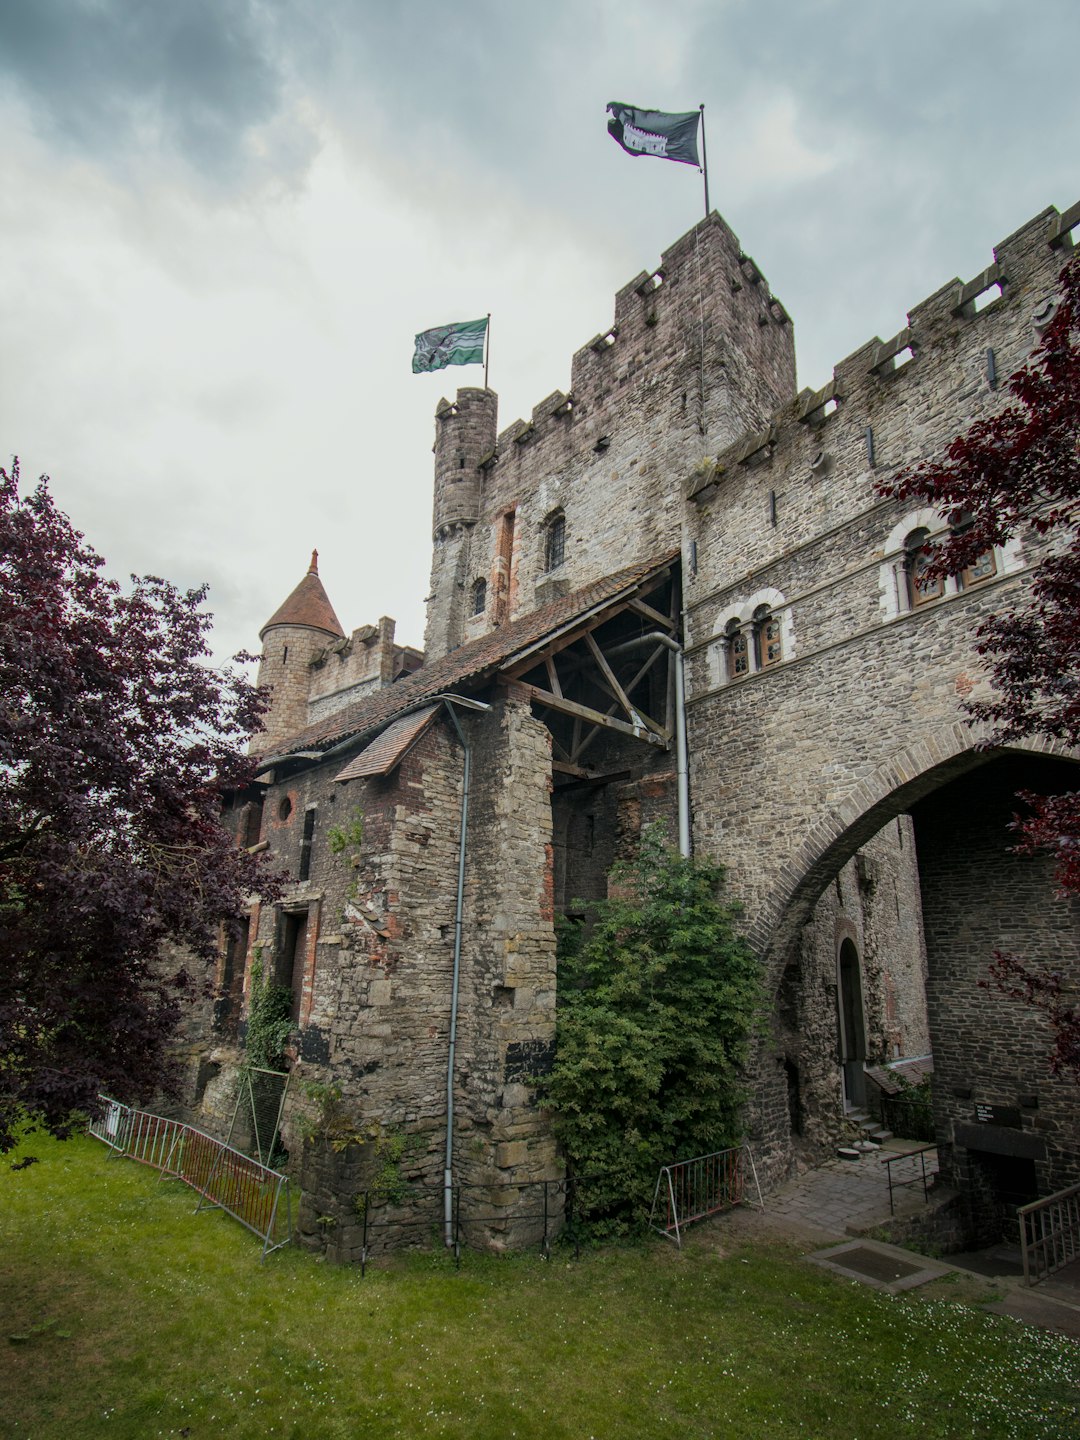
(878, 396)
(464, 436)
(698, 350)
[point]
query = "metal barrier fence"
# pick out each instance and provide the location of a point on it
(923, 1177)
(1050, 1233)
(690, 1190)
(223, 1178)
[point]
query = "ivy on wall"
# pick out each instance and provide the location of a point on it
(656, 1006)
(269, 1020)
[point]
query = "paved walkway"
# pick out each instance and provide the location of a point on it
(846, 1197)
(843, 1198)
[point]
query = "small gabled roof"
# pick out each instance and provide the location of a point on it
(477, 660)
(308, 605)
(388, 751)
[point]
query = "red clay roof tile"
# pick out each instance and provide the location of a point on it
(469, 662)
(308, 605)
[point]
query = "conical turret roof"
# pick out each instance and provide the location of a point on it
(308, 605)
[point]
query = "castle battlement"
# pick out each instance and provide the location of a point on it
(699, 349)
(866, 385)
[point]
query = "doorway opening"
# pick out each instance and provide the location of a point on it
(852, 1028)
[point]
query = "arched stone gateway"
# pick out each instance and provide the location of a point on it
(878, 956)
(891, 790)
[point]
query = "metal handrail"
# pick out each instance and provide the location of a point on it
(890, 1160)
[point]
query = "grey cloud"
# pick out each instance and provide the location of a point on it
(127, 80)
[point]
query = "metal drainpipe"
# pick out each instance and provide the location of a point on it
(682, 772)
(448, 1163)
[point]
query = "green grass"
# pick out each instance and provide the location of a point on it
(124, 1314)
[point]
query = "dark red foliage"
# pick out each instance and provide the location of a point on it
(117, 742)
(1020, 471)
(1048, 994)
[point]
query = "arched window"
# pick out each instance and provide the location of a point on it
(983, 566)
(478, 597)
(918, 555)
(738, 652)
(768, 645)
(554, 540)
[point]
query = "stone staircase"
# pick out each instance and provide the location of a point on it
(865, 1128)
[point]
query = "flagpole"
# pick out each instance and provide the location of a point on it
(704, 159)
(487, 347)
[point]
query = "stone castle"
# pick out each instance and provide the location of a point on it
(673, 593)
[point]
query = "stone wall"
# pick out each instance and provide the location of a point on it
(372, 928)
(874, 904)
(796, 763)
(349, 669)
(698, 352)
(996, 1103)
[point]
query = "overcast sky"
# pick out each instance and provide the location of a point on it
(224, 221)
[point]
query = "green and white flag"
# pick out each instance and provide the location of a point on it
(458, 344)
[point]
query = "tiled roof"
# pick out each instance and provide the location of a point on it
(478, 658)
(380, 757)
(308, 605)
(895, 1078)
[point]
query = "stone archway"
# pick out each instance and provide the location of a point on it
(950, 819)
(890, 790)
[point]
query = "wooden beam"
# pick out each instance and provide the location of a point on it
(579, 744)
(593, 778)
(560, 767)
(561, 642)
(620, 694)
(553, 678)
(593, 717)
(609, 676)
(640, 608)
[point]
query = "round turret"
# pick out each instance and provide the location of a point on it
(297, 631)
(465, 434)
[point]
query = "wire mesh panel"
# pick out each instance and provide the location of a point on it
(256, 1120)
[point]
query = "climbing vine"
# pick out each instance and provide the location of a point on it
(387, 1146)
(269, 1020)
(656, 1006)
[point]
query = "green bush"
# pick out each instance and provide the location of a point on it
(656, 1005)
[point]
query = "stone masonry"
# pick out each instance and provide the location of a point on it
(679, 489)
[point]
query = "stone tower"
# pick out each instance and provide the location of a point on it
(297, 631)
(699, 353)
(465, 434)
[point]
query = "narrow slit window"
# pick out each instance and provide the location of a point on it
(306, 843)
(555, 541)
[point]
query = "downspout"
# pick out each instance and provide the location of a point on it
(448, 1162)
(682, 771)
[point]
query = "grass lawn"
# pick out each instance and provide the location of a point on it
(124, 1314)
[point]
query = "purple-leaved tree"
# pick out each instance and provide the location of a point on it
(117, 741)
